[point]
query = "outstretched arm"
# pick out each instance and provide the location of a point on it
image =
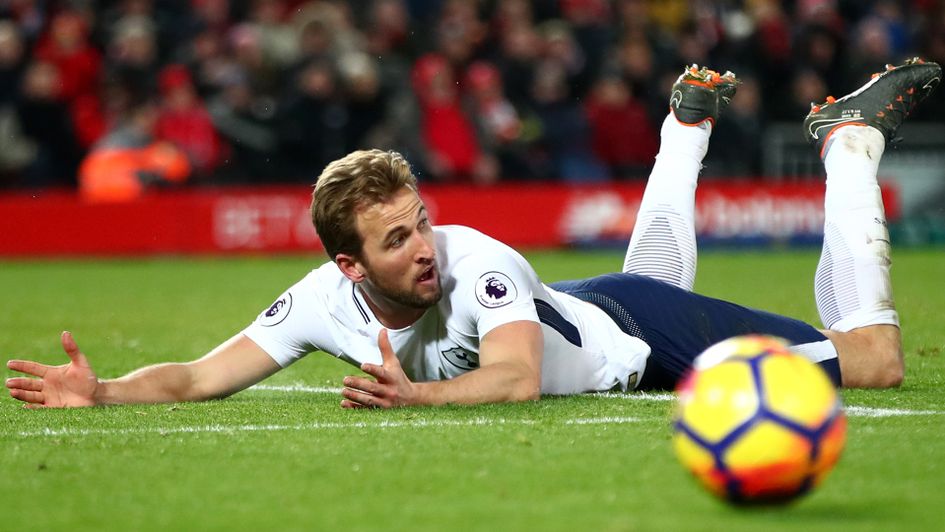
(510, 370)
(234, 365)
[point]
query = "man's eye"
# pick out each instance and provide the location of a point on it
(397, 242)
(423, 223)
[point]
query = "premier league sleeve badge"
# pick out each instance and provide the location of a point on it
(495, 289)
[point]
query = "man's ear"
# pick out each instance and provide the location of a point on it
(350, 267)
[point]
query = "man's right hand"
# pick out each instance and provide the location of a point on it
(68, 385)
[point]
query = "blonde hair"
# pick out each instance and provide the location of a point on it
(357, 180)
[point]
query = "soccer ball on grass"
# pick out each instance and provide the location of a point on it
(756, 423)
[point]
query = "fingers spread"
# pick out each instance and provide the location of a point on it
(379, 372)
(364, 385)
(23, 383)
(72, 349)
(68, 342)
(28, 367)
(363, 399)
(27, 396)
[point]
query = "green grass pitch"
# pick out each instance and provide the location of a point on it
(285, 457)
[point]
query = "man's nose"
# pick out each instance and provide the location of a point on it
(424, 251)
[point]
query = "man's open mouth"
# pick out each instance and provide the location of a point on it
(426, 275)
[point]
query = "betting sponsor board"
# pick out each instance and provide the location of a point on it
(277, 219)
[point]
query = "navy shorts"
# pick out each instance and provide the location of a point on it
(678, 325)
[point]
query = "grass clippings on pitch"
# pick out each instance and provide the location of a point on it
(284, 455)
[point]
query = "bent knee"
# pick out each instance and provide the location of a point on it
(870, 357)
(888, 370)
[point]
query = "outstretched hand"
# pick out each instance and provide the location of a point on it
(390, 387)
(72, 384)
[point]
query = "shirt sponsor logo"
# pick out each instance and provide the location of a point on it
(495, 290)
(461, 358)
(277, 312)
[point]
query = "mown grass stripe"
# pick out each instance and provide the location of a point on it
(413, 423)
(304, 388)
(851, 410)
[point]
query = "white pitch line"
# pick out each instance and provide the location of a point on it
(228, 429)
(296, 388)
(635, 396)
(602, 421)
(851, 410)
(866, 411)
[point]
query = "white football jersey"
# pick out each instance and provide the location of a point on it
(485, 284)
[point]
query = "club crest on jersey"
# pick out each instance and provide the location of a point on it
(495, 290)
(461, 358)
(277, 312)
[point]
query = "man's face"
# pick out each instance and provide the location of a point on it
(398, 255)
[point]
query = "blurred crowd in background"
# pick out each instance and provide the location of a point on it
(118, 95)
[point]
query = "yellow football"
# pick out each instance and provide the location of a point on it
(756, 423)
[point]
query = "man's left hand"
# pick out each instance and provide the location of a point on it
(390, 387)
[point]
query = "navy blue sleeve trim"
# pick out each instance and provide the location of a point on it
(552, 318)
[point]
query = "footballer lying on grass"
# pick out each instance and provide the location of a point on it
(446, 314)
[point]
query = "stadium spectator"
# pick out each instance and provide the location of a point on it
(560, 48)
(872, 45)
(132, 59)
(335, 33)
(316, 40)
(621, 134)
(932, 39)
(45, 120)
(453, 153)
(30, 16)
(736, 149)
(13, 60)
(262, 72)
(501, 130)
(314, 122)
(388, 30)
(211, 16)
(171, 23)
(205, 57)
(592, 33)
(565, 140)
(807, 87)
(183, 121)
(277, 38)
(67, 47)
(459, 34)
(129, 160)
(366, 103)
(247, 123)
(636, 61)
(16, 151)
(519, 51)
(204, 50)
(821, 50)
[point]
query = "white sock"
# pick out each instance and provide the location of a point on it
(663, 244)
(852, 285)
